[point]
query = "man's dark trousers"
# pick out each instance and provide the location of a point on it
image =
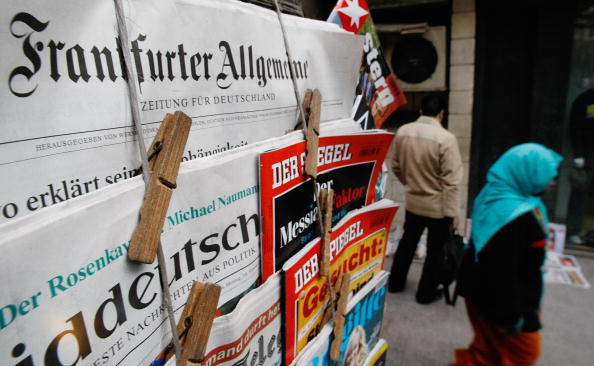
(438, 233)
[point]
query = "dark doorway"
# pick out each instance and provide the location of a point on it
(523, 54)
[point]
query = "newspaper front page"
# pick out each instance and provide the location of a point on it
(65, 111)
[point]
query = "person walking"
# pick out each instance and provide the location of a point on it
(427, 161)
(500, 276)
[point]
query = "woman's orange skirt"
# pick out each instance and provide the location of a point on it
(492, 347)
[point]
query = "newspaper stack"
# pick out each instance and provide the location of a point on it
(71, 197)
(73, 277)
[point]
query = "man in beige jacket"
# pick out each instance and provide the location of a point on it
(427, 161)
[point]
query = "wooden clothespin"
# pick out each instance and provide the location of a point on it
(343, 283)
(312, 107)
(196, 321)
(305, 107)
(166, 152)
(313, 134)
(326, 203)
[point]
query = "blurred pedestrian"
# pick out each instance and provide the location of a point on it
(500, 276)
(427, 161)
(581, 175)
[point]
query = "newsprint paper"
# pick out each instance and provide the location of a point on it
(251, 334)
(70, 295)
(64, 106)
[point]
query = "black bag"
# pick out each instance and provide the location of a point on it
(453, 254)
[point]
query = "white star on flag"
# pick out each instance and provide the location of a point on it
(353, 11)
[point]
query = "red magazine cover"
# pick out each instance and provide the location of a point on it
(358, 247)
(349, 164)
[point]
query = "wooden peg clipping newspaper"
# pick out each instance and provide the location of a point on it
(326, 203)
(167, 149)
(305, 105)
(312, 107)
(343, 283)
(196, 321)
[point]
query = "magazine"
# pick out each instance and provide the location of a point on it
(358, 247)
(363, 323)
(317, 352)
(377, 356)
(347, 164)
(378, 93)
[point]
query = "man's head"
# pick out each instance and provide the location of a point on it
(432, 106)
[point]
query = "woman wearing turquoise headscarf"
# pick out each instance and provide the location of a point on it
(501, 276)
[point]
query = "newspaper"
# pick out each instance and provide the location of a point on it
(358, 247)
(564, 269)
(251, 334)
(348, 164)
(65, 109)
(71, 295)
(576, 278)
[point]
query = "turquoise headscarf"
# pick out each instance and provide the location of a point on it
(513, 185)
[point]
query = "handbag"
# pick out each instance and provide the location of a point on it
(453, 254)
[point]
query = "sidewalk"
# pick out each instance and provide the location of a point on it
(421, 335)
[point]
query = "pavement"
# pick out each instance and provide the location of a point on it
(426, 335)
